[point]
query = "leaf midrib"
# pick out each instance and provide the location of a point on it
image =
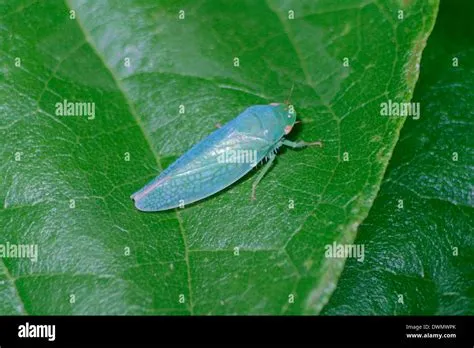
(134, 114)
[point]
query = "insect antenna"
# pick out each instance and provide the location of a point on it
(287, 101)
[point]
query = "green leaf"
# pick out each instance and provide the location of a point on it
(66, 181)
(419, 234)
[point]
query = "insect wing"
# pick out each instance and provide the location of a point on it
(211, 165)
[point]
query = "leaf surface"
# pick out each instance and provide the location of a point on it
(66, 181)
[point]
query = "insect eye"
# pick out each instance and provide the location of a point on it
(289, 115)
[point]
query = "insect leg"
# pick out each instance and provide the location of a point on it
(300, 144)
(271, 158)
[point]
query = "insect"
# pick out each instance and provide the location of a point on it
(222, 158)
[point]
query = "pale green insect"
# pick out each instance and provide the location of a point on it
(222, 158)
